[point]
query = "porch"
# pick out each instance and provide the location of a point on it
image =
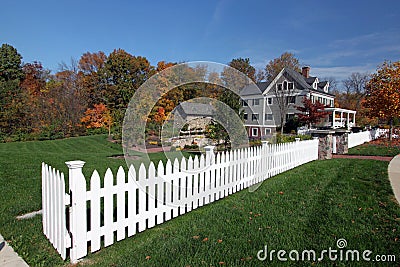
(341, 118)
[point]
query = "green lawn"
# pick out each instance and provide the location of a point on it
(375, 150)
(309, 207)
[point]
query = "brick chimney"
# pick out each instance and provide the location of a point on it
(305, 71)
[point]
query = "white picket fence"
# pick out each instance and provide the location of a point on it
(150, 196)
(356, 139)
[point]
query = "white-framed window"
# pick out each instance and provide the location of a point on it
(245, 116)
(256, 102)
(267, 131)
(331, 103)
(254, 117)
(269, 101)
(291, 99)
(313, 99)
(244, 103)
(254, 131)
(268, 117)
(289, 116)
(285, 85)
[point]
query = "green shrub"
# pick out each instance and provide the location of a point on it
(291, 138)
(191, 146)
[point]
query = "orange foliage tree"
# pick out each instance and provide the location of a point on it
(97, 117)
(383, 93)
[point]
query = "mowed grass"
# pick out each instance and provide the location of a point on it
(375, 150)
(309, 207)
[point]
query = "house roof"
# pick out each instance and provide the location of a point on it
(197, 109)
(310, 80)
(254, 89)
(299, 78)
(303, 83)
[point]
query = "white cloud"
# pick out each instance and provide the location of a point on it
(343, 72)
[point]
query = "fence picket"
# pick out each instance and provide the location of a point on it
(160, 192)
(132, 186)
(151, 206)
(95, 212)
(108, 208)
(141, 198)
(120, 203)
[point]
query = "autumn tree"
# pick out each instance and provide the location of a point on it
(286, 60)
(34, 84)
(243, 65)
(122, 74)
(89, 66)
(312, 113)
(383, 93)
(97, 117)
(159, 119)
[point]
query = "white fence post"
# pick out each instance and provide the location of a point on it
(77, 212)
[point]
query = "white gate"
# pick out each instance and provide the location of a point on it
(54, 201)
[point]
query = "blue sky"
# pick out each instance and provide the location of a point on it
(334, 37)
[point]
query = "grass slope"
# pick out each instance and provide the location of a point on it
(309, 207)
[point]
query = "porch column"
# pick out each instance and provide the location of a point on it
(334, 119)
(354, 119)
(348, 120)
(341, 119)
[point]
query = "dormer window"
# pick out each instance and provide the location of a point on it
(315, 84)
(285, 86)
(326, 88)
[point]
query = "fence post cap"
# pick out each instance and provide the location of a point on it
(75, 164)
(297, 139)
(315, 137)
(264, 142)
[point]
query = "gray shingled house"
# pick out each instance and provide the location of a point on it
(262, 113)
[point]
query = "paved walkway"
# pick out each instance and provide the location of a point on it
(8, 257)
(394, 176)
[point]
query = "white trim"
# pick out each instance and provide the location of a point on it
(273, 82)
(258, 125)
(252, 131)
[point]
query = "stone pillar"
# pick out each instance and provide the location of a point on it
(325, 146)
(342, 141)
